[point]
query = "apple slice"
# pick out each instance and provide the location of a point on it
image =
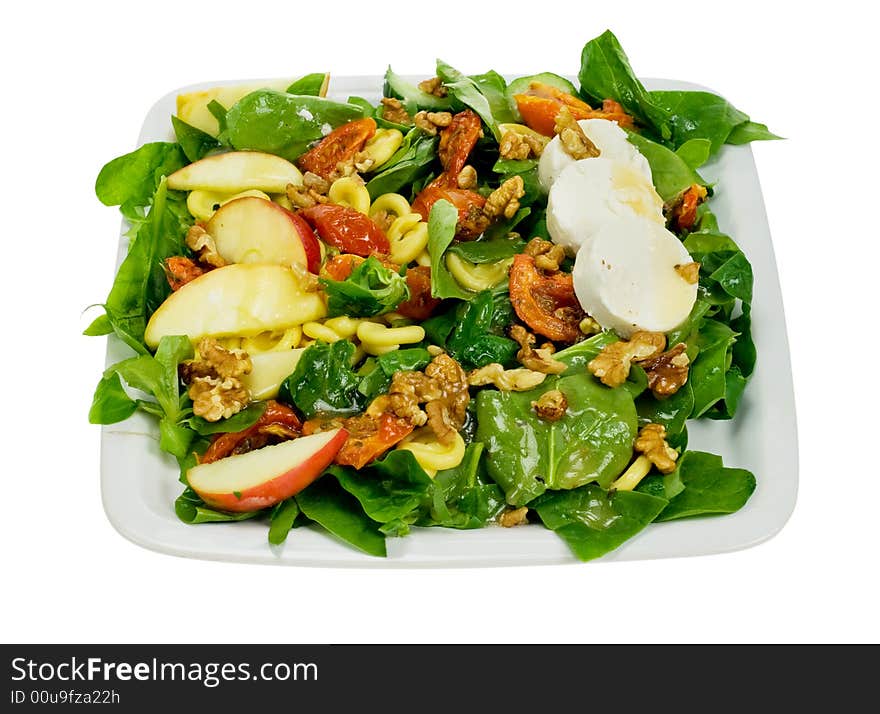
(237, 171)
(236, 300)
(262, 478)
(268, 371)
(192, 107)
(253, 230)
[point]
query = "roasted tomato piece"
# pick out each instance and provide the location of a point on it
(684, 211)
(346, 229)
(339, 267)
(458, 140)
(546, 303)
(278, 422)
(370, 437)
(180, 270)
(420, 304)
(339, 146)
(541, 103)
(471, 219)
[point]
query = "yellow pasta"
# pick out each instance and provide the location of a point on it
(317, 331)
(432, 455)
(408, 236)
(382, 145)
(352, 192)
(424, 259)
(272, 341)
(477, 277)
(343, 325)
(373, 335)
(392, 204)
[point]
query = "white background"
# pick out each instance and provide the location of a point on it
(77, 80)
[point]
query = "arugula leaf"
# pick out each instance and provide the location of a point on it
(670, 172)
(442, 222)
(371, 289)
(467, 91)
(526, 455)
(323, 381)
(593, 522)
(337, 511)
(131, 180)
(195, 143)
(282, 519)
(284, 124)
(190, 508)
(606, 74)
(709, 487)
(410, 162)
(310, 85)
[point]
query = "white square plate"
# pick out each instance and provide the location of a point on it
(139, 483)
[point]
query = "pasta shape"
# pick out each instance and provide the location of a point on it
(378, 339)
(477, 277)
(392, 204)
(350, 191)
(408, 236)
(432, 455)
(381, 146)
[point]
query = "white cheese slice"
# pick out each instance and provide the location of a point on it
(609, 138)
(591, 192)
(625, 277)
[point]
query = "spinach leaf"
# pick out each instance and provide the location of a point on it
(699, 115)
(371, 289)
(494, 88)
(735, 276)
(313, 85)
(377, 381)
(606, 74)
(670, 172)
(282, 519)
(487, 251)
(463, 497)
(707, 373)
(442, 222)
(131, 180)
(527, 455)
(672, 411)
(471, 341)
(750, 131)
(284, 124)
(412, 97)
(467, 91)
(709, 487)
(190, 508)
(101, 325)
(582, 353)
(244, 419)
(390, 490)
(438, 327)
(195, 143)
(323, 381)
(410, 162)
(695, 152)
(336, 510)
(594, 522)
(111, 403)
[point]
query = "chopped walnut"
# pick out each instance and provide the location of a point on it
(431, 122)
(589, 326)
(434, 86)
(668, 371)
(690, 272)
(394, 111)
(226, 363)
(520, 146)
(435, 350)
(475, 222)
(538, 360)
(547, 255)
(651, 442)
(215, 398)
(504, 200)
(312, 192)
(180, 270)
(507, 380)
(467, 177)
(202, 244)
(551, 405)
(613, 363)
(447, 414)
(407, 391)
(363, 162)
(383, 219)
(513, 517)
(572, 137)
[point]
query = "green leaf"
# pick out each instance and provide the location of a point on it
(470, 93)
(377, 380)
(709, 487)
(735, 276)
(371, 289)
(471, 342)
(442, 222)
(409, 163)
(133, 178)
(195, 143)
(192, 509)
(284, 124)
(699, 115)
(593, 522)
(672, 412)
(333, 508)
(750, 131)
(101, 325)
(526, 455)
(111, 404)
(283, 516)
(310, 85)
(323, 381)
(487, 251)
(244, 419)
(606, 74)
(494, 88)
(670, 172)
(695, 152)
(412, 97)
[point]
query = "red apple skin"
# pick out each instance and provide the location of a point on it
(309, 242)
(282, 486)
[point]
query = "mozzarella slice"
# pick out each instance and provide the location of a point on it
(609, 138)
(625, 277)
(591, 192)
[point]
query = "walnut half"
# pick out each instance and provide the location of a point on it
(611, 366)
(551, 405)
(651, 442)
(213, 379)
(668, 371)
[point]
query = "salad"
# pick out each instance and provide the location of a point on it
(473, 303)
